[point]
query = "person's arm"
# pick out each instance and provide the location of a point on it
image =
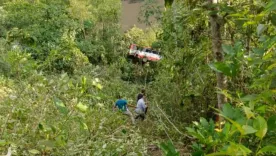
(129, 105)
(144, 106)
(114, 107)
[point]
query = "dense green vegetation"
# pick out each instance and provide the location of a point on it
(63, 63)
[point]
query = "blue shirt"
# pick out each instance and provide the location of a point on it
(121, 104)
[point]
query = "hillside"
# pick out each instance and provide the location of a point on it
(67, 87)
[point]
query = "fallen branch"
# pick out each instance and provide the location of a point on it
(172, 123)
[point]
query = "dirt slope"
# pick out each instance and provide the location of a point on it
(130, 12)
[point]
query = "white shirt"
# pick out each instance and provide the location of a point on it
(141, 105)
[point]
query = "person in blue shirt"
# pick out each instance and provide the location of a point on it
(122, 104)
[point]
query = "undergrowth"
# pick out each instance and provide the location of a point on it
(61, 114)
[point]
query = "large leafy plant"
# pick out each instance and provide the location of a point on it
(249, 118)
(243, 132)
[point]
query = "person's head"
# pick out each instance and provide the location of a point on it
(119, 96)
(143, 90)
(140, 96)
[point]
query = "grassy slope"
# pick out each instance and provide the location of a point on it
(57, 114)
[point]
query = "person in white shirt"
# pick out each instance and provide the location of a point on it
(143, 92)
(141, 107)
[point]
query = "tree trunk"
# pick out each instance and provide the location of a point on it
(174, 24)
(216, 25)
(249, 29)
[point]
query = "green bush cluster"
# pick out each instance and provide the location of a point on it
(62, 115)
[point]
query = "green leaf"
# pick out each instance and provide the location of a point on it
(237, 15)
(249, 97)
(124, 131)
(261, 109)
(271, 6)
(236, 124)
(271, 123)
(249, 114)
(249, 23)
(248, 129)
(238, 149)
(34, 151)
(228, 49)
(213, 12)
(268, 149)
(204, 123)
(259, 51)
(227, 110)
(169, 149)
(233, 149)
(81, 107)
(221, 67)
(234, 68)
(273, 84)
(40, 126)
(271, 66)
(260, 29)
(84, 126)
(226, 130)
(197, 153)
(227, 9)
(273, 19)
(261, 126)
(2, 143)
(195, 134)
(240, 21)
(99, 86)
(259, 17)
(83, 79)
(60, 106)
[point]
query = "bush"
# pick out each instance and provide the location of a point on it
(18, 64)
(57, 114)
(4, 67)
(140, 37)
(66, 57)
